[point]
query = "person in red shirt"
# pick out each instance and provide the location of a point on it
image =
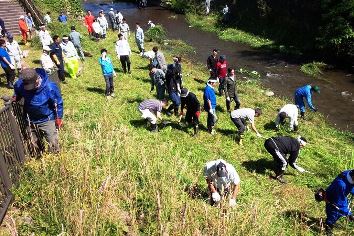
(23, 28)
(89, 18)
(221, 68)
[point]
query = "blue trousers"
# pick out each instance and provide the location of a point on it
(333, 214)
(299, 101)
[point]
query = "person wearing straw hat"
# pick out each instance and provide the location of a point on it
(281, 146)
(223, 181)
(43, 106)
(209, 98)
(190, 101)
(305, 92)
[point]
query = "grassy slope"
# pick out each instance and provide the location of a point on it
(111, 170)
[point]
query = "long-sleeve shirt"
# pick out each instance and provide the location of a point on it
(292, 112)
(139, 35)
(103, 22)
(209, 95)
(337, 193)
(230, 87)
(75, 38)
(158, 77)
(47, 63)
(211, 62)
(288, 145)
(13, 49)
(122, 48)
(23, 26)
(305, 92)
(191, 102)
(69, 49)
(45, 38)
(29, 22)
(221, 68)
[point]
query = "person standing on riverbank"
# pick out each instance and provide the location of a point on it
(47, 20)
(221, 68)
(44, 36)
(230, 90)
(291, 111)
(30, 24)
(75, 38)
(89, 19)
(212, 62)
(14, 51)
(158, 79)
(123, 52)
(207, 7)
(23, 28)
(305, 92)
(139, 38)
(210, 105)
(62, 18)
(124, 29)
(112, 19)
(57, 57)
(108, 73)
(5, 62)
(103, 23)
(71, 57)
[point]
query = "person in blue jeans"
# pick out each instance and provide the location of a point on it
(209, 98)
(336, 198)
(108, 73)
(305, 92)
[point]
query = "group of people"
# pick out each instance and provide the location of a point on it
(43, 105)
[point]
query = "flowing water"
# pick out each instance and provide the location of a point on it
(281, 75)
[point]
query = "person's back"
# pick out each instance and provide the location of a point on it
(75, 38)
(303, 91)
(209, 94)
(153, 105)
(287, 145)
(337, 193)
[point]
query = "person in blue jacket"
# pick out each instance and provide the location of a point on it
(210, 104)
(336, 198)
(43, 107)
(108, 72)
(62, 18)
(305, 92)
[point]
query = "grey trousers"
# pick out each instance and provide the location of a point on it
(48, 131)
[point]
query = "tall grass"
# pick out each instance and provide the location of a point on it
(114, 177)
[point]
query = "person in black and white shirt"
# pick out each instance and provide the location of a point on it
(291, 111)
(223, 181)
(281, 146)
(151, 110)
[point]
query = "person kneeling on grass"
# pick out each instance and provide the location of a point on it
(223, 181)
(151, 111)
(108, 73)
(279, 147)
(189, 100)
(240, 116)
(291, 111)
(336, 198)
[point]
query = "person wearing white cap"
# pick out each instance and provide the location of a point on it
(23, 28)
(124, 29)
(49, 66)
(119, 19)
(291, 111)
(223, 181)
(112, 19)
(14, 51)
(281, 146)
(103, 23)
(150, 24)
(210, 104)
(44, 36)
(70, 56)
(139, 38)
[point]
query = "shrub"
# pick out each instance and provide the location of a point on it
(156, 34)
(313, 69)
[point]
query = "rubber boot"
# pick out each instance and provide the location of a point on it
(154, 128)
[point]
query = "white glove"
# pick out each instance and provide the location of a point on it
(216, 197)
(259, 135)
(211, 111)
(232, 202)
(300, 169)
(228, 98)
(12, 67)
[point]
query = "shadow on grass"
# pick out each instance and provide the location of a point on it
(197, 191)
(219, 108)
(259, 166)
(96, 90)
(143, 79)
(270, 126)
(138, 123)
(226, 131)
(36, 61)
(199, 81)
(313, 223)
(143, 67)
(135, 100)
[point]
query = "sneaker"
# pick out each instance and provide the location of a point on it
(108, 97)
(113, 95)
(281, 179)
(213, 132)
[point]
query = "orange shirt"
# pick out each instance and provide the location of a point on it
(22, 24)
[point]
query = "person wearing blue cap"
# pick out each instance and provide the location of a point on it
(305, 92)
(336, 198)
(223, 181)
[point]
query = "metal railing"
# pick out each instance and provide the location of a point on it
(29, 6)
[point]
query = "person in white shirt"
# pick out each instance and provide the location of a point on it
(150, 24)
(223, 181)
(103, 24)
(123, 52)
(71, 57)
(124, 29)
(44, 36)
(207, 6)
(291, 111)
(47, 19)
(139, 38)
(240, 117)
(119, 19)
(14, 51)
(96, 29)
(49, 66)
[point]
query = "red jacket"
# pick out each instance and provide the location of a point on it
(22, 24)
(221, 69)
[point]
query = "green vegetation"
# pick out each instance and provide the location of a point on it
(313, 69)
(211, 23)
(72, 7)
(156, 34)
(114, 177)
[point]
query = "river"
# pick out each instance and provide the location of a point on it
(280, 74)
